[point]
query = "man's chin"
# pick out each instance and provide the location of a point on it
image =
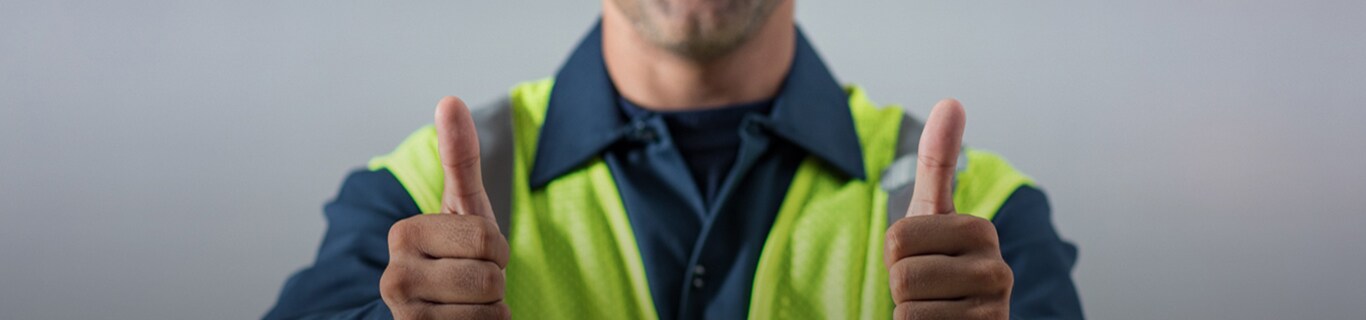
(698, 42)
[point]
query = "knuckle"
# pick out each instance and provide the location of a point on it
(993, 274)
(490, 239)
(902, 225)
(466, 159)
(482, 239)
(494, 280)
(473, 235)
(981, 271)
(982, 231)
(398, 233)
(897, 278)
(394, 284)
(896, 241)
(404, 233)
(894, 244)
(973, 224)
(903, 280)
(470, 279)
(1003, 276)
(933, 160)
(483, 280)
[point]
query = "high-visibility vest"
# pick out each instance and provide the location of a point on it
(574, 254)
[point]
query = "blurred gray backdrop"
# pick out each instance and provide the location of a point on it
(169, 159)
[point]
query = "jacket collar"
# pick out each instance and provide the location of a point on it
(582, 119)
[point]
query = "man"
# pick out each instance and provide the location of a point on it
(691, 159)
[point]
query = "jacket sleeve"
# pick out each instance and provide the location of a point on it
(343, 282)
(1041, 261)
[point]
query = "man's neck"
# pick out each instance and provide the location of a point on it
(660, 80)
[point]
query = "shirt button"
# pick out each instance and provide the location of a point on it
(697, 283)
(642, 132)
(699, 270)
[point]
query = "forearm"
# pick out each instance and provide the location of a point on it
(1041, 261)
(343, 282)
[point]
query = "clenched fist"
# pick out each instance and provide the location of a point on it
(449, 265)
(944, 265)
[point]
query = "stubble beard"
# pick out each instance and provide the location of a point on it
(698, 36)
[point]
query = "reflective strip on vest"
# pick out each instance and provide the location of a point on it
(574, 253)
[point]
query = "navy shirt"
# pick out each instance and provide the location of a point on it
(700, 244)
(708, 139)
(699, 237)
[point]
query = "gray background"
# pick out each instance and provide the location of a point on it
(168, 159)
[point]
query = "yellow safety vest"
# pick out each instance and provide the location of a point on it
(574, 254)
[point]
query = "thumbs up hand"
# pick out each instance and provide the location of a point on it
(943, 265)
(449, 265)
